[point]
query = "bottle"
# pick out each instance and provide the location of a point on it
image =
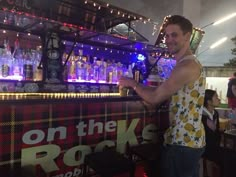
(28, 65)
(81, 67)
(120, 70)
(103, 71)
(109, 72)
(96, 68)
(6, 59)
(114, 72)
(72, 68)
(231, 114)
(130, 73)
(16, 64)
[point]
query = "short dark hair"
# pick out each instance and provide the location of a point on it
(208, 96)
(234, 74)
(184, 23)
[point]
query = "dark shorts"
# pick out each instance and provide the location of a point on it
(180, 161)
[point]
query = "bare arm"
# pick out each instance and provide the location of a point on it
(184, 73)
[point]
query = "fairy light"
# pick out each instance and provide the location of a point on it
(154, 30)
(99, 5)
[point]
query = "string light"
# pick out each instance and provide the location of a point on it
(112, 9)
(154, 30)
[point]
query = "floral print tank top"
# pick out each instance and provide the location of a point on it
(186, 106)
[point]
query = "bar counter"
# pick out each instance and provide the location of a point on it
(48, 135)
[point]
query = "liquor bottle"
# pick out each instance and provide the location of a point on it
(120, 71)
(72, 68)
(114, 72)
(65, 74)
(96, 66)
(6, 59)
(103, 71)
(38, 71)
(88, 69)
(109, 72)
(81, 67)
(28, 65)
(16, 63)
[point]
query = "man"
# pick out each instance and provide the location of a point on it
(231, 92)
(185, 138)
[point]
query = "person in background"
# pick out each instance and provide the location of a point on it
(210, 119)
(184, 140)
(231, 92)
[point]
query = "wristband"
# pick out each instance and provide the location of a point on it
(135, 87)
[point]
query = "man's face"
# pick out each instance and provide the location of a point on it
(175, 38)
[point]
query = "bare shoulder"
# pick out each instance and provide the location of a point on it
(187, 69)
(189, 66)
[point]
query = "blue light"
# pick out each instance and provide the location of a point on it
(141, 57)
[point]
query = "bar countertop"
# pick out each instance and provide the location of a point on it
(36, 98)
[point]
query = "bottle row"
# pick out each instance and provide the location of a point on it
(19, 64)
(79, 68)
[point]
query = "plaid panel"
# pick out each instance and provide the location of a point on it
(31, 113)
(17, 121)
(94, 119)
(65, 110)
(5, 114)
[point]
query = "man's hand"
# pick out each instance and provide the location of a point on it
(127, 82)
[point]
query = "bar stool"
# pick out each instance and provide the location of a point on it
(148, 153)
(210, 168)
(229, 153)
(109, 163)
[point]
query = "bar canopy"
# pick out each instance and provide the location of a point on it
(88, 21)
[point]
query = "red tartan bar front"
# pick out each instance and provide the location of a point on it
(52, 139)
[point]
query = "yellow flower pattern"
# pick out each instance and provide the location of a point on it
(186, 106)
